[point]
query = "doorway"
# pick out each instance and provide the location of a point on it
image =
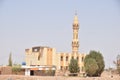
(31, 72)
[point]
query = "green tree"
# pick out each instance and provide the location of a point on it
(118, 69)
(91, 66)
(73, 66)
(97, 56)
(10, 60)
(117, 62)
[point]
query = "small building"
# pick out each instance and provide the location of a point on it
(39, 59)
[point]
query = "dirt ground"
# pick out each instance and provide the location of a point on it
(21, 77)
(104, 76)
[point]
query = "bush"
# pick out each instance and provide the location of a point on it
(51, 72)
(16, 69)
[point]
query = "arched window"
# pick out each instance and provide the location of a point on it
(82, 59)
(66, 58)
(61, 58)
(72, 57)
(78, 58)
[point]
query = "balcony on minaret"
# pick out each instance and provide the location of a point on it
(75, 26)
(75, 44)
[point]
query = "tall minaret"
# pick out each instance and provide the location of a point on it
(75, 41)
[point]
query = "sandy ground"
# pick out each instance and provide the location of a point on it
(20, 77)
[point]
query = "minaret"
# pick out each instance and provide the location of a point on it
(75, 41)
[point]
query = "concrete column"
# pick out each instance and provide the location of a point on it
(27, 72)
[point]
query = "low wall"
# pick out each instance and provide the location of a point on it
(5, 70)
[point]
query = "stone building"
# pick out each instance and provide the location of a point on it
(46, 58)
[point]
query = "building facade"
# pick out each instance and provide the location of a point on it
(45, 58)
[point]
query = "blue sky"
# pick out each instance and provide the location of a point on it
(28, 23)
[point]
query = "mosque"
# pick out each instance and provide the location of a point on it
(40, 58)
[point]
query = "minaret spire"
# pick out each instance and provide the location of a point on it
(75, 41)
(75, 12)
